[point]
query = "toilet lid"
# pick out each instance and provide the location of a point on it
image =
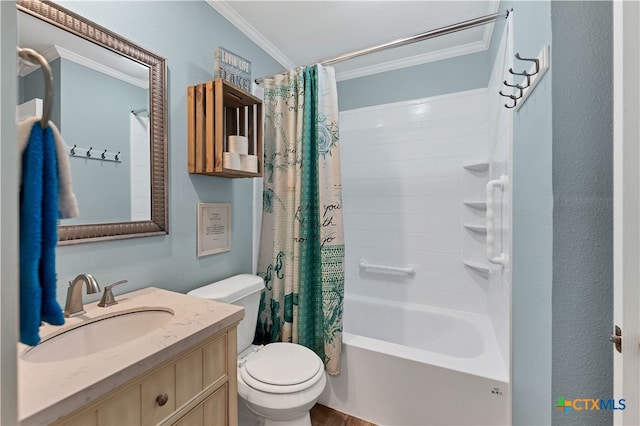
(283, 364)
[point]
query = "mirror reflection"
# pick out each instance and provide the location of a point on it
(109, 103)
(101, 108)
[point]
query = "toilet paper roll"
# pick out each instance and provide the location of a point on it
(238, 144)
(249, 163)
(231, 160)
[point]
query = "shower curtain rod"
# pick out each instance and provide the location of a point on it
(414, 39)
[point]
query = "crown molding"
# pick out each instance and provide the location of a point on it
(55, 52)
(411, 61)
(247, 29)
(100, 67)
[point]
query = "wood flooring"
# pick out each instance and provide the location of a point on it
(325, 416)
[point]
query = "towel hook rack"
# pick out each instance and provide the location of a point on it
(29, 55)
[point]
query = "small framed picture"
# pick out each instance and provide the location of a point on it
(214, 228)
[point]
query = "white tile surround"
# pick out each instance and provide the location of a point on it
(403, 190)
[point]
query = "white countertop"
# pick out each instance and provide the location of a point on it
(49, 390)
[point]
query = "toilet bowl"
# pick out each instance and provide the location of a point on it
(279, 382)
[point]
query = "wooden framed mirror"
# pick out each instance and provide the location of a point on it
(101, 226)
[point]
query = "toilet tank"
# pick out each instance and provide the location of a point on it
(242, 290)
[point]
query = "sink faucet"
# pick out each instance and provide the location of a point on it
(74, 304)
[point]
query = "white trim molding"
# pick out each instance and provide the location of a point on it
(55, 52)
(254, 35)
(411, 61)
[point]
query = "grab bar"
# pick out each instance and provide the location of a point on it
(410, 270)
(501, 183)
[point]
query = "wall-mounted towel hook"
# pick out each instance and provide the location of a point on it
(89, 152)
(73, 150)
(510, 96)
(513, 85)
(537, 62)
(515, 103)
(103, 154)
(117, 156)
(523, 74)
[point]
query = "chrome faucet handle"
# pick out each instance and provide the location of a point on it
(107, 296)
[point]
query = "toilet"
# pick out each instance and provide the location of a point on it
(278, 382)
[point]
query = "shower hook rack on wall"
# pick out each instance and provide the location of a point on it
(90, 154)
(529, 79)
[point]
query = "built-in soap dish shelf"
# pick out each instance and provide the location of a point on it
(478, 205)
(476, 166)
(479, 229)
(477, 266)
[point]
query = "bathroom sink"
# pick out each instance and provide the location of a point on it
(98, 334)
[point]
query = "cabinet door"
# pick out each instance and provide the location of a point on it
(215, 407)
(210, 412)
(215, 360)
(188, 377)
(124, 409)
(158, 396)
(195, 417)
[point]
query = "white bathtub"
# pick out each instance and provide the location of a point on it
(407, 364)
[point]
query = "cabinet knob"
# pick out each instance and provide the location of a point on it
(162, 399)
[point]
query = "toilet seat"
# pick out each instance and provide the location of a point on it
(281, 368)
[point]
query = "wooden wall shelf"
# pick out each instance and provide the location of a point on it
(216, 110)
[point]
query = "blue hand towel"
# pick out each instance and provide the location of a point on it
(38, 235)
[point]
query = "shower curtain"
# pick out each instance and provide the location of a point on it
(301, 255)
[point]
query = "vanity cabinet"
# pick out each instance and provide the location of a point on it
(197, 387)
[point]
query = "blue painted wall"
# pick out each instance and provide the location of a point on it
(186, 34)
(583, 213)
(95, 110)
(432, 79)
(532, 226)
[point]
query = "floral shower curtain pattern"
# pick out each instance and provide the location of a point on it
(301, 254)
